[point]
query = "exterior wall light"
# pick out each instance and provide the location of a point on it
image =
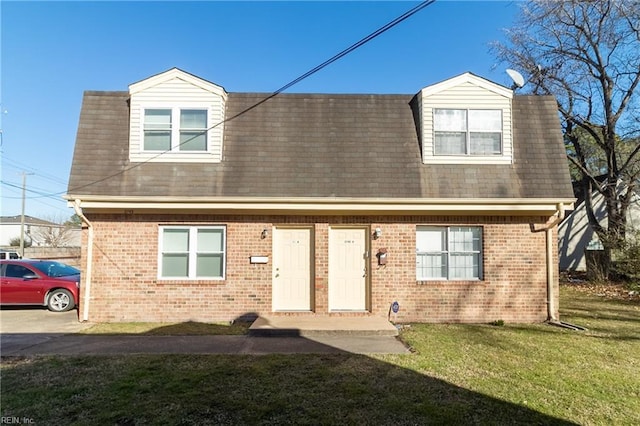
(377, 233)
(264, 233)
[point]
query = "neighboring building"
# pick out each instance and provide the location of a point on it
(38, 232)
(576, 235)
(206, 205)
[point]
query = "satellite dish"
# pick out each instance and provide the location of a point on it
(518, 80)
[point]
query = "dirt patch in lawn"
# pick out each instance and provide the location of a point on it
(609, 290)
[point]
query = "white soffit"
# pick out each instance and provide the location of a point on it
(467, 78)
(176, 73)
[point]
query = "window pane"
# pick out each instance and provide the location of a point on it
(157, 130)
(464, 266)
(486, 143)
(193, 141)
(463, 239)
(460, 239)
(431, 266)
(157, 118)
(175, 240)
(210, 240)
(209, 265)
(175, 265)
(453, 120)
(193, 119)
(450, 143)
(430, 239)
(155, 140)
(483, 120)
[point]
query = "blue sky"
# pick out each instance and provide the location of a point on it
(53, 51)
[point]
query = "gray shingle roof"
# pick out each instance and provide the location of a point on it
(319, 145)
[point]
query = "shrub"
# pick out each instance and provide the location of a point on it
(15, 242)
(627, 258)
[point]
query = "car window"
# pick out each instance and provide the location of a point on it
(17, 271)
(55, 269)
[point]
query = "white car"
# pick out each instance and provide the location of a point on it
(9, 255)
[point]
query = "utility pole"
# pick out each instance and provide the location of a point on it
(24, 193)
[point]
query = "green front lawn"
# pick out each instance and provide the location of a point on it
(459, 374)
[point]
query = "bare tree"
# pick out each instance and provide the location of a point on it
(587, 54)
(58, 233)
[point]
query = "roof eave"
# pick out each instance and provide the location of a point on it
(327, 205)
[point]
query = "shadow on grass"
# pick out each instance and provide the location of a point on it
(189, 328)
(328, 387)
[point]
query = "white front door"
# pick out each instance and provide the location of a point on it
(291, 269)
(348, 260)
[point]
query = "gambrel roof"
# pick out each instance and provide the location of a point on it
(319, 145)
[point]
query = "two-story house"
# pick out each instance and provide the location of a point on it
(205, 205)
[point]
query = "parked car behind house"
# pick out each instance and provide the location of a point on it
(39, 282)
(8, 254)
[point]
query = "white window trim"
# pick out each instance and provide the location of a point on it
(468, 132)
(449, 252)
(175, 129)
(192, 252)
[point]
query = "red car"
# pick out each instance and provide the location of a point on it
(39, 282)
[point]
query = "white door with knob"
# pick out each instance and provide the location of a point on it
(348, 269)
(291, 269)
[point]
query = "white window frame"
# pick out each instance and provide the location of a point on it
(468, 131)
(176, 129)
(192, 252)
(450, 253)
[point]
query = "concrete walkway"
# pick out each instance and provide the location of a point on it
(77, 344)
(286, 335)
(313, 325)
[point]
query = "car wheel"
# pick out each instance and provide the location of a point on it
(60, 300)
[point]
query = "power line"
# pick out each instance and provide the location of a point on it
(293, 82)
(21, 166)
(40, 194)
(9, 187)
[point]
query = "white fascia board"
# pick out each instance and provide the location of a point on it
(467, 78)
(368, 206)
(177, 73)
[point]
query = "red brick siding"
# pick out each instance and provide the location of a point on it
(125, 286)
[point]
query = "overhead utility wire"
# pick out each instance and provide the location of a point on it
(312, 71)
(333, 59)
(40, 194)
(21, 166)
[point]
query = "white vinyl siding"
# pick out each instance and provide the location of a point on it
(448, 253)
(466, 95)
(177, 94)
(192, 252)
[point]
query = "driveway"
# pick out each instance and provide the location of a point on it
(22, 327)
(36, 331)
(37, 319)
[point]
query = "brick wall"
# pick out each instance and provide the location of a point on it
(125, 286)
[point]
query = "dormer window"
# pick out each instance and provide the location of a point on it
(466, 120)
(176, 117)
(161, 135)
(193, 130)
(157, 130)
(467, 132)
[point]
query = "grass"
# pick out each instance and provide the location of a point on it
(459, 374)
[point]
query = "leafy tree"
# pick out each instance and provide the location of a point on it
(585, 53)
(15, 242)
(74, 220)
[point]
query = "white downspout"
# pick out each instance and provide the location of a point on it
(551, 308)
(548, 228)
(86, 291)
